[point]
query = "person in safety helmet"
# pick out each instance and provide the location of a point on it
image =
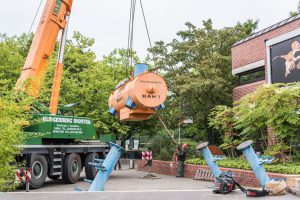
(181, 155)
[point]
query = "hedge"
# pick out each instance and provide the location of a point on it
(284, 168)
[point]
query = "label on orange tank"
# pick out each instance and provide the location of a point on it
(150, 90)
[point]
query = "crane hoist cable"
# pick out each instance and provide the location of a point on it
(32, 23)
(129, 61)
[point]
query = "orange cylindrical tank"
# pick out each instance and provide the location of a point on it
(139, 97)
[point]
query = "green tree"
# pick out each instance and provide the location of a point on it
(275, 106)
(222, 118)
(197, 67)
(13, 51)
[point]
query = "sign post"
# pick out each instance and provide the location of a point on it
(147, 155)
(24, 176)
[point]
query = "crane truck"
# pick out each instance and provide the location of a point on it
(66, 143)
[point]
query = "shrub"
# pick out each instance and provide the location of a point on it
(285, 168)
(162, 147)
(222, 119)
(275, 106)
(12, 115)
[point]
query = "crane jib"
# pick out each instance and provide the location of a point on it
(57, 6)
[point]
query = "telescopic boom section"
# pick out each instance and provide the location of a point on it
(54, 19)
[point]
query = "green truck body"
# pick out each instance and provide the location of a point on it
(47, 126)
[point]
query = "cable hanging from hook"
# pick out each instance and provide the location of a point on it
(129, 61)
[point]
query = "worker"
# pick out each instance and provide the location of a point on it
(181, 155)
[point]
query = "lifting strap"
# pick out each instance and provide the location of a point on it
(251, 192)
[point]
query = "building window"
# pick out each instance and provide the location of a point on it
(252, 76)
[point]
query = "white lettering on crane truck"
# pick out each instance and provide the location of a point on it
(66, 120)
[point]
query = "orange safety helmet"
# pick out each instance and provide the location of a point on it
(184, 146)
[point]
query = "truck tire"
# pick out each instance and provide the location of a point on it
(54, 177)
(39, 168)
(90, 171)
(71, 168)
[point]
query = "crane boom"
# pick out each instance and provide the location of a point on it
(54, 19)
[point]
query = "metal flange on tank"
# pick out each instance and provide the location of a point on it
(105, 168)
(209, 158)
(255, 162)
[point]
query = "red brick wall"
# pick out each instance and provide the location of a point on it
(245, 177)
(254, 50)
(242, 90)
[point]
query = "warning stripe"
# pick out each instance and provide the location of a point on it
(23, 175)
(147, 155)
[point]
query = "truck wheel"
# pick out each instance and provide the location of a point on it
(54, 177)
(90, 171)
(71, 168)
(39, 168)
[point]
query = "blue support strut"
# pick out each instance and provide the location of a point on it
(106, 167)
(254, 162)
(209, 158)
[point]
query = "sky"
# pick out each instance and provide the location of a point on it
(107, 20)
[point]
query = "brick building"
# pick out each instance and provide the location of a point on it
(263, 57)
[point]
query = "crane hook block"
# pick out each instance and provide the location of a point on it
(139, 97)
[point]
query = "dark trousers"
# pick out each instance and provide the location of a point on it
(119, 165)
(180, 168)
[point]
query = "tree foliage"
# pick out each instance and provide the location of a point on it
(13, 51)
(222, 118)
(13, 115)
(197, 67)
(275, 106)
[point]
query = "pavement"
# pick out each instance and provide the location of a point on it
(129, 185)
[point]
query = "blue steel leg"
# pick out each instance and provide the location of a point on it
(254, 162)
(106, 168)
(211, 162)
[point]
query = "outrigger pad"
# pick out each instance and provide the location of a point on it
(244, 145)
(202, 146)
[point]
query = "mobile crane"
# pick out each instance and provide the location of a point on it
(65, 143)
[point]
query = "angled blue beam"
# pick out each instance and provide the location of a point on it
(255, 162)
(209, 159)
(106, 167)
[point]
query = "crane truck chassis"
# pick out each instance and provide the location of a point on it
(64, 161)
(60, 146)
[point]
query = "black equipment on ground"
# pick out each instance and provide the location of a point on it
(227, 184)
